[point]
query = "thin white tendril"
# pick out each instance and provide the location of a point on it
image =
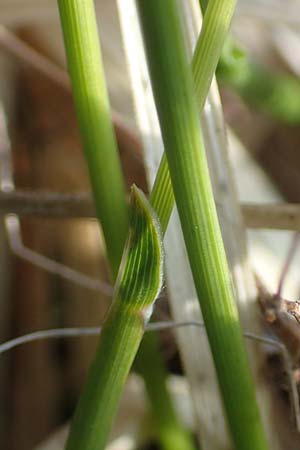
(58, 333)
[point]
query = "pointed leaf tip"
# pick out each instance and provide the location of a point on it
(141, 270)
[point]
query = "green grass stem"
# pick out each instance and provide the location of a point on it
(179, 120)
(167, 427)
(93, 112)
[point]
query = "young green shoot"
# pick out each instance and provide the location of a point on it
(138, 284)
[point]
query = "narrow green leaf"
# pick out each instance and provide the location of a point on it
(138, 284)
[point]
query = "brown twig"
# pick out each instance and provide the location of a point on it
(287, 263)
(281, 216)
(47, 204)
(80, 204)
(282, 322)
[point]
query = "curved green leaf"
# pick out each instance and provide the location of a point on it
(138, 284)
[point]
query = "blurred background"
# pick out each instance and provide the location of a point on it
(40, 150)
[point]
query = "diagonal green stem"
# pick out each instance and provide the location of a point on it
(179, 120)
(214, 31)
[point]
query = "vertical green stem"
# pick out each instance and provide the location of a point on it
(93, 112)
(179, 120)
(167, 427)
